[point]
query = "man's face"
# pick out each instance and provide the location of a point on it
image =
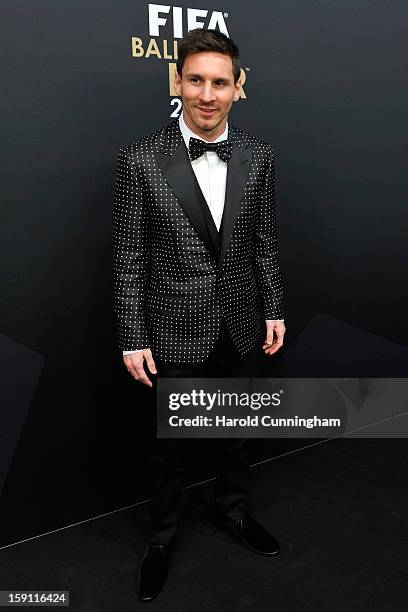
(207, 89)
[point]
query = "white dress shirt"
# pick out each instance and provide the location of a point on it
(211, 173)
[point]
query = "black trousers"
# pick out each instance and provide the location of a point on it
(166, 458)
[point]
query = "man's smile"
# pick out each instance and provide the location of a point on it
(206, 111)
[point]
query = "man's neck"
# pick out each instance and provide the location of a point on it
(204, 136)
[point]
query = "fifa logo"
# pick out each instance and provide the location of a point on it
(159, 14)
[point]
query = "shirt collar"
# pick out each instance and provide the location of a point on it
(187, 133)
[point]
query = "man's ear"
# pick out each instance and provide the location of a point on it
(238, 86)
(177, 83)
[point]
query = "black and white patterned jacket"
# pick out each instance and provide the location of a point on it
(175, 276)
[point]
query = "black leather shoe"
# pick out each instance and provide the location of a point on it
(153, 570)
(250, 533)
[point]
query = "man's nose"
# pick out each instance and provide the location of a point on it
(207, 93)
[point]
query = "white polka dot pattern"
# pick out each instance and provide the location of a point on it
(170, 291)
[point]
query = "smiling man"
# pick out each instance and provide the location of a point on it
(197, 281)
(207, 96)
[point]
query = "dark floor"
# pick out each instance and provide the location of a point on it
(339, 510)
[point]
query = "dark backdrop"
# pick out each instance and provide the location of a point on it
(326, 86)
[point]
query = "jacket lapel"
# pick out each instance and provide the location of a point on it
(173, 159)
(237, 176)
(175, 164)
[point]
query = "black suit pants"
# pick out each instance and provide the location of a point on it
(166, 460)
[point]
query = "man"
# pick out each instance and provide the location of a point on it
(197, 282)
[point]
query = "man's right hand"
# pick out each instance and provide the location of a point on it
(134, 363)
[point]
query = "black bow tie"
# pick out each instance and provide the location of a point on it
(197, 147)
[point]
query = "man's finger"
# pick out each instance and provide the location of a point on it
(269, 337)
(142, 376)
(150, 363)
(275, 347)
(268, 342)
(133, 370)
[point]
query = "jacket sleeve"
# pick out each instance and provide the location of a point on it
(129, 254)
(267, 266)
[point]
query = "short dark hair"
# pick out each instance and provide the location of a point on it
(208, 40)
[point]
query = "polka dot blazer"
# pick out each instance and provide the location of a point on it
(176, 278)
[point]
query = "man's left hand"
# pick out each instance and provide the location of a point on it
(275, 330)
